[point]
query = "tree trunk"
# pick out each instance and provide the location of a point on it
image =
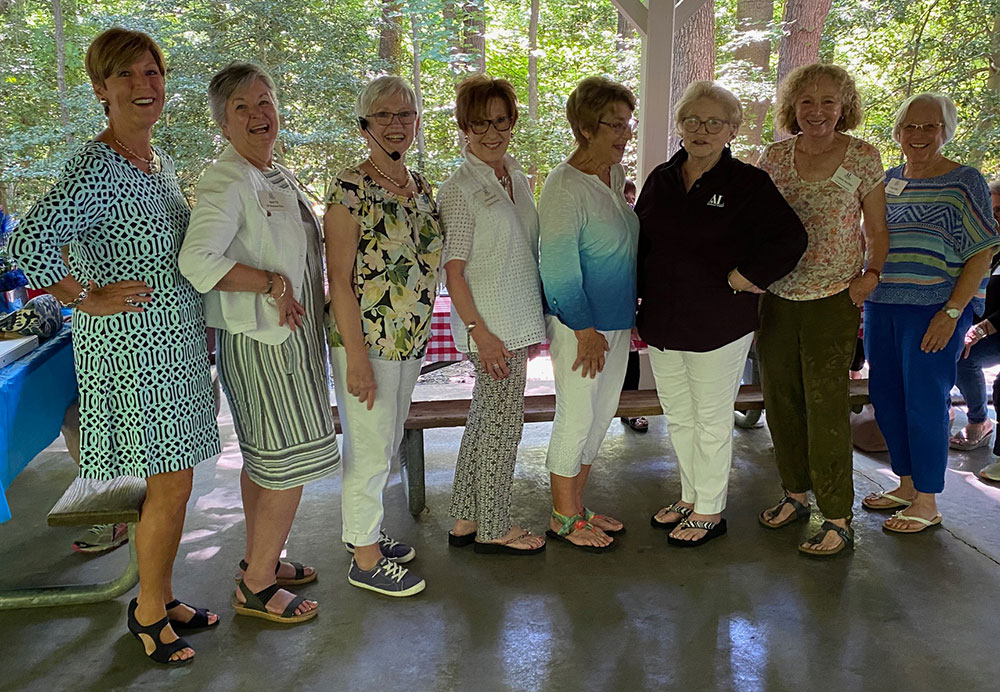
(390, 43)
(416, 90)
(57, 17)
(754, 16)
(803, 29)
(694, 57)
(474, 35)
(4, 6)
(533, 82)
(988, 118)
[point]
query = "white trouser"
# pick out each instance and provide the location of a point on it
(584, 406)
(697, 392)
(371, 439)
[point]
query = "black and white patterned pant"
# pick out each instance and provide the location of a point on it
(484, 472)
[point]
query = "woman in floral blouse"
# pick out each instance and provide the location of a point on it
(809, 319)
(383, 244)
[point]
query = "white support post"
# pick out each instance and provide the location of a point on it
(654, 90)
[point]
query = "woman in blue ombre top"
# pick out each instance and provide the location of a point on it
(588, 239)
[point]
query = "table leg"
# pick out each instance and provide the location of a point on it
(411, 468)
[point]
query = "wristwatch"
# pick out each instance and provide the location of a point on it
(953, 313)
(470, 326)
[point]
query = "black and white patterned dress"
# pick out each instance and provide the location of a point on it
(145, 390)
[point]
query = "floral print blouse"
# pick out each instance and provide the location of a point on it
(396, 269)
(831, 215)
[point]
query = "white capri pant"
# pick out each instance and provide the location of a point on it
(584, 406)
(697, 392)
(371, 439)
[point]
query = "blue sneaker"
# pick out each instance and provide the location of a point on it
(386, 577)
(391, 550)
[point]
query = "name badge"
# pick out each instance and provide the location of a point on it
(424, 204)
(486, 197)
(895, 186)
(846, 180)
(271, 201)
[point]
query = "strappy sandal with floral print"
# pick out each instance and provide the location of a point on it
(590, 515)
(572, 524)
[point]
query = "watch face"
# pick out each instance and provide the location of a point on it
(953, 313)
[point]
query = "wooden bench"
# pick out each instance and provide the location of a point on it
(451, 413)
(88, 502)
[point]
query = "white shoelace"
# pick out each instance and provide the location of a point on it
(393, 571)
(384, 539)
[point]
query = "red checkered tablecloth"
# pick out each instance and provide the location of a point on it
(441, 346)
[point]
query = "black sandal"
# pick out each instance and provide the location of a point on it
(299, 579)
(162, 652)
(256, 605)
(846, 535)
(198, 621)
(801, 512)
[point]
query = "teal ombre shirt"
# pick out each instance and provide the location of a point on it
(935, 226)
(588, 237)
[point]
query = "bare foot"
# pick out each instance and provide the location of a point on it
(182, 612)
(669, 516)
(519, 539)
(783, 511)
(279, 601)
(606, 523)
(464, 527)
(583, 533)
(880, 501)
(924, 506)
(166, 636)
(286, 570)
(831, 539)
(692, 534)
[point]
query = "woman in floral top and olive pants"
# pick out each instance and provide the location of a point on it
(383, 244)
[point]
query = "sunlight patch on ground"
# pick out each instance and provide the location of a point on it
(202, 555)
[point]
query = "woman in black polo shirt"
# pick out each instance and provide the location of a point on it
(714, 233)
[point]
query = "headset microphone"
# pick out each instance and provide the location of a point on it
(394, 155)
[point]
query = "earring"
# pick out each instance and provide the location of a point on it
(102, 101)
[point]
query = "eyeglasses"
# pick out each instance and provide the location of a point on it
(385, 117)
(713, 126)
(929, 128)
(501, 124)
(619, 127)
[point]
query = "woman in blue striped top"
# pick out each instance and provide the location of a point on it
(942, 236)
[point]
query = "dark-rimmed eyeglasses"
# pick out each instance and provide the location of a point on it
(619, 128)
(929, 128)
(385, 117)
(713, 126)
(501, 124)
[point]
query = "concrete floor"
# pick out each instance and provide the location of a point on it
(745, 612)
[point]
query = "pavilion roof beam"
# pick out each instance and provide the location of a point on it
(638, 14)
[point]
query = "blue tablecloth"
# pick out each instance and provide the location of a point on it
(35, 392)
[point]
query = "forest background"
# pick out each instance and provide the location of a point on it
(321, 52)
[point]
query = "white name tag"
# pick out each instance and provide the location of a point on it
(846, 180)
(270, 201)
(424, 203)
(895, 186)
(486, 197)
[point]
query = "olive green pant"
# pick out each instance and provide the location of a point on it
(805, 349)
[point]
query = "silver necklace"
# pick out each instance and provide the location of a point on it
(401, 186)
(152, 163)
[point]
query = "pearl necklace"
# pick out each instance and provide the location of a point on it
(152, 163)
(401, 186)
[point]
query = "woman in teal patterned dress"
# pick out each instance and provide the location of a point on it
(383, 245)
(139, 344)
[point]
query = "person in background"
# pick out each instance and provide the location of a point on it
(587, 261)
(138, 331)
(383, 251)
(714, 234)
(491, 266)
(632, 371)
(809, 319)
(942, 239)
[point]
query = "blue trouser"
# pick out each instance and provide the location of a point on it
(971, 381)
(910, 389)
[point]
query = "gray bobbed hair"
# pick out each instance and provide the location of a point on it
(380, 88)
(230, 79)
(948, 113)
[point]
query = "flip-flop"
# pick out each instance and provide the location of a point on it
(846, 536)
(962, 443)
(898, 502)
(685, 512)
(506, 548)
(801, 512)
(457, 541)
(589, 515)
(712, 530)
(926, 523)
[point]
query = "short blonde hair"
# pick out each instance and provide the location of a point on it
(381, 87)
(590, 100)
(117, 48)
(710, 90)
(948, 113)
(473, 96)
(792, 86)
(229, 80)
